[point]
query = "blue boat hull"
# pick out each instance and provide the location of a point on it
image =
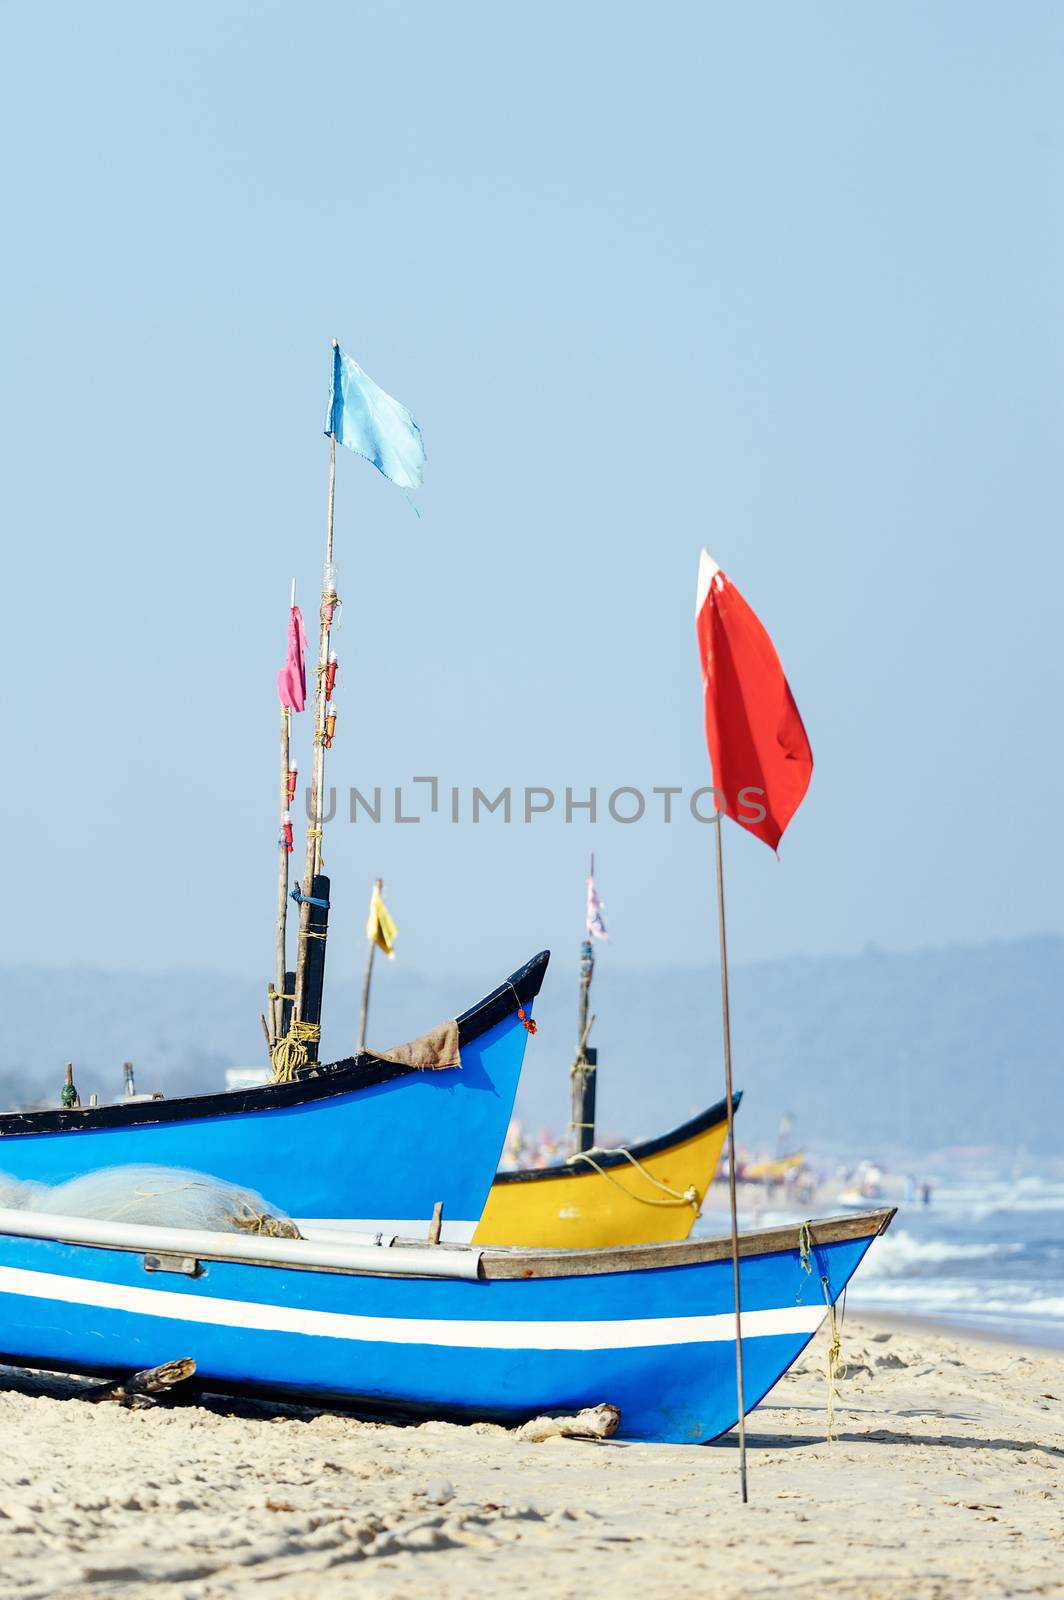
(361, 1144)
(656, 1341)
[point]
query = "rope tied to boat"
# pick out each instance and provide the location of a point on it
(689, 1197)
(528, 1023)
(805, 1249)
(836, 1368)
(290, 1052)
(265, 1226)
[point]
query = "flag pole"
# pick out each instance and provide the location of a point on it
(277, 1000)
(582, 1073)
(277, 1003)
(726, 1017)
(313, 860)
(366, 981)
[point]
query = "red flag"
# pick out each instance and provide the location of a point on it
(761, 758)
(292, 678)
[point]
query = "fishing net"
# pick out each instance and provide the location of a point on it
(17, 1194)
(162, 1197)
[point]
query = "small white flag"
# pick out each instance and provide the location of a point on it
(596, 916)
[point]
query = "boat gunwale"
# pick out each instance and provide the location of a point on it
(321, 1082)
(503, 1262)
(712, 1117)
(499, 1262)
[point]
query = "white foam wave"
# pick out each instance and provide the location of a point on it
(899, 1254)
(951, 1298)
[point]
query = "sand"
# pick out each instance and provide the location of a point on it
(946, 1479)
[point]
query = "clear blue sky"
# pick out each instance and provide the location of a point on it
(783, 280)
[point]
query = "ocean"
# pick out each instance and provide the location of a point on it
(986, 1253)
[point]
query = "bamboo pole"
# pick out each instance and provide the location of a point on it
(581, 1091)
(726, 1018)
(277, 998)
(312, 863)
(587, 972)
(367, 980)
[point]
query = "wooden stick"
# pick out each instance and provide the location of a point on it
(436, 1225)
(366, 981)
(140, 1386)
(282, 872)
(581, 1117)
(312, 863)
(726, 1017)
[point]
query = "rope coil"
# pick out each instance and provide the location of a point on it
(290, 1053)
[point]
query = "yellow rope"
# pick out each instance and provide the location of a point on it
(836, 1370)
(265, 1225)
(319, 854)
(688, 1198)
(290, 1053)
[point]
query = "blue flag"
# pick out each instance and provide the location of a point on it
(366, 419)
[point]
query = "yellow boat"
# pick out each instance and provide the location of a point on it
(638, 1194)
(774, 1170)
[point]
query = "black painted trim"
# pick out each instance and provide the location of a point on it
(319, 1082)
(650, 1147)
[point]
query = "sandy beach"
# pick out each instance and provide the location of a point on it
(946, 1478)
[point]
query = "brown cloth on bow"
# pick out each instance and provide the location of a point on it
(431, 1053)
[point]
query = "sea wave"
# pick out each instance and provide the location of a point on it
(953, 1299)
(900, 1254)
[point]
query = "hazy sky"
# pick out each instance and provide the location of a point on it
(783, 280)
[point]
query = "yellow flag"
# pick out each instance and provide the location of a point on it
(380, 929)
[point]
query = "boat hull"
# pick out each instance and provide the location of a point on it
(363, 1144)
(648, 1193)
(647, 1331)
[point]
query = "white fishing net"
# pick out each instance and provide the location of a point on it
(164, 1197)
(18, 1194)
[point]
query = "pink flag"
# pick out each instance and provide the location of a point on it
(292, 678)
(596, 919)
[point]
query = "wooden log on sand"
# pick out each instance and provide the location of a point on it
(138, 1389)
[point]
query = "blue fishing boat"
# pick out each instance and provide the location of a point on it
(429, 1330)
(364, 1144)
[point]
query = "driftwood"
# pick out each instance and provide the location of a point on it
(596, 1422)
(137, 1390)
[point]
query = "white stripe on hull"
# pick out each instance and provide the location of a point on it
(452, 1333)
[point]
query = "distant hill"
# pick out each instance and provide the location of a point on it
(962, 1045)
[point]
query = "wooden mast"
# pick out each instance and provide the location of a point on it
(313, 918)
(582, 1073)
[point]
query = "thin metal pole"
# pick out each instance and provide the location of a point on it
(312, 863)
(726, 1015)
(366, 981)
